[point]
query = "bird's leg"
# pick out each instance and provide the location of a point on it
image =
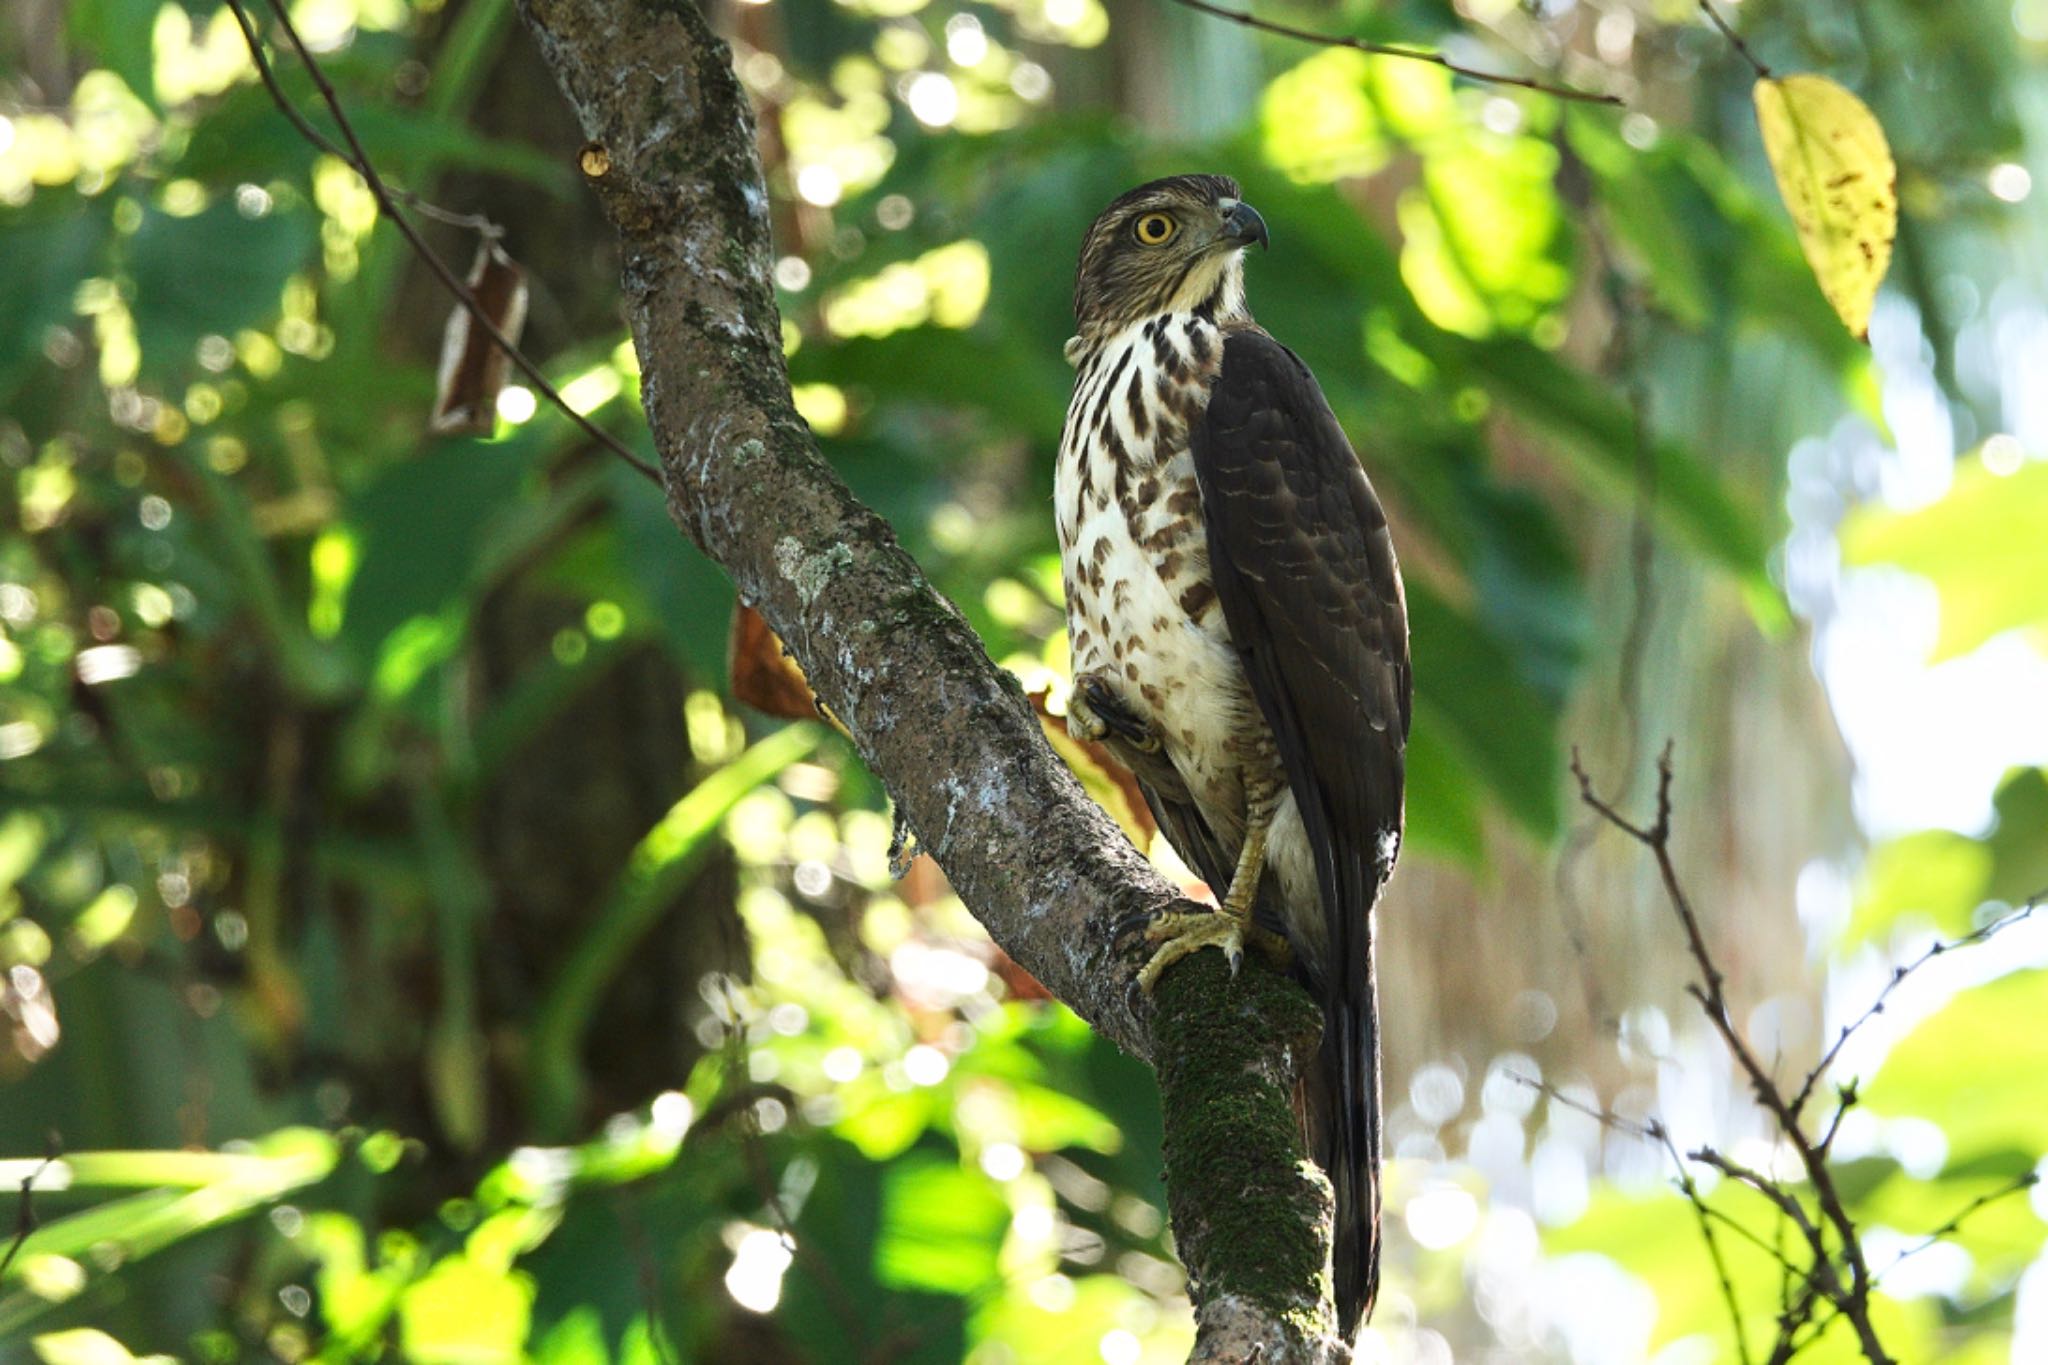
(1229, 926)
(1097, 711)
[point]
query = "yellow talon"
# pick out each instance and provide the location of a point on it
(1230, 925)
(1181, 932)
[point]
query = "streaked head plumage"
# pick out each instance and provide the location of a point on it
(1172, 245)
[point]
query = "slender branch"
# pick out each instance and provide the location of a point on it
(1898, 977)
(673, 156)
(1401, 50)
(1713, 1001)
(1653, 1130)
(475, 222)
(1788, 1204)
(1794, 1319)
(1727, 31)
(2018, 1185)
(387, 205)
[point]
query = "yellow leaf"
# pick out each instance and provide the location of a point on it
(1836, 174)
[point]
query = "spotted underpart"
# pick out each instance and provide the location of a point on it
(1142, 610)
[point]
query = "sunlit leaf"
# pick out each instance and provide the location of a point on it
(1936, 874)
(83, 1346)
(1049, 1120)
(1995, 1221)
(1945, 878)
(118, 33)
(888, 1122)
(1067, 1321)
(1958, 1068)
(1836, 173)
(1318, 121)
(1496, 217)
(462, 1313)
(1981, 545)
(941, 1227)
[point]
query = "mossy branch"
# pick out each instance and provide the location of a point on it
(672, 155)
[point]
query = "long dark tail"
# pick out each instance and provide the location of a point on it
(1343, 1112)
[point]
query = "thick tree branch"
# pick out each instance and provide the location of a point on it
(672, 155)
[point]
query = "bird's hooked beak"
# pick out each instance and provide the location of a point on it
(1241, 225)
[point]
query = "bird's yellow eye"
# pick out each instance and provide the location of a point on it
(1154, 229)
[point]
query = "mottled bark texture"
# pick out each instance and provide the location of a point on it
(672, 156)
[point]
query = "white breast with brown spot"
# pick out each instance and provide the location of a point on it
(1141, 609)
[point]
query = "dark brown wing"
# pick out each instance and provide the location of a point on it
(1304, 571)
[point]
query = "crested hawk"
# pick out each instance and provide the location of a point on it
(1239, 637)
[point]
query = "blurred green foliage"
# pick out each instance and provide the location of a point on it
(420, 956)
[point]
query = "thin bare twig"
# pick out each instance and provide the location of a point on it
(25, 1215)
(1413, 54)
(1899, 974)
(2018, 1185)
(1787, 1204)
(1688, 1187)
(649, 1275)
(387, 205)
(1727, 31)
(1854, 1299)
(475, 222)
(1653, 1130)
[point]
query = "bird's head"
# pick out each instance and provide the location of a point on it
(1174, 245)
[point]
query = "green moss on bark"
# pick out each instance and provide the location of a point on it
(1239, 1183)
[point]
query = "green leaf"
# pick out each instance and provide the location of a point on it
(242, 137)
(1033, 1334)
(421, 526)
(47, 259)
(888, 1123)
(1965, 1068)
(1049, 1120)
(1480, 242)
(1442, 797)
(1935, 873)
(689, 595)
(355, 1301)
(1981, 545)
(214, 272)
(82, 1346)
(120, 34)
(1495, 723)
(462, 1313)
(1641, 194)
(2002, 1234)
(1946, 878)
(843, 1226)
(942, 1227)
(206, 1190)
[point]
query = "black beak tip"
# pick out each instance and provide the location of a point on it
(1246, 226)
